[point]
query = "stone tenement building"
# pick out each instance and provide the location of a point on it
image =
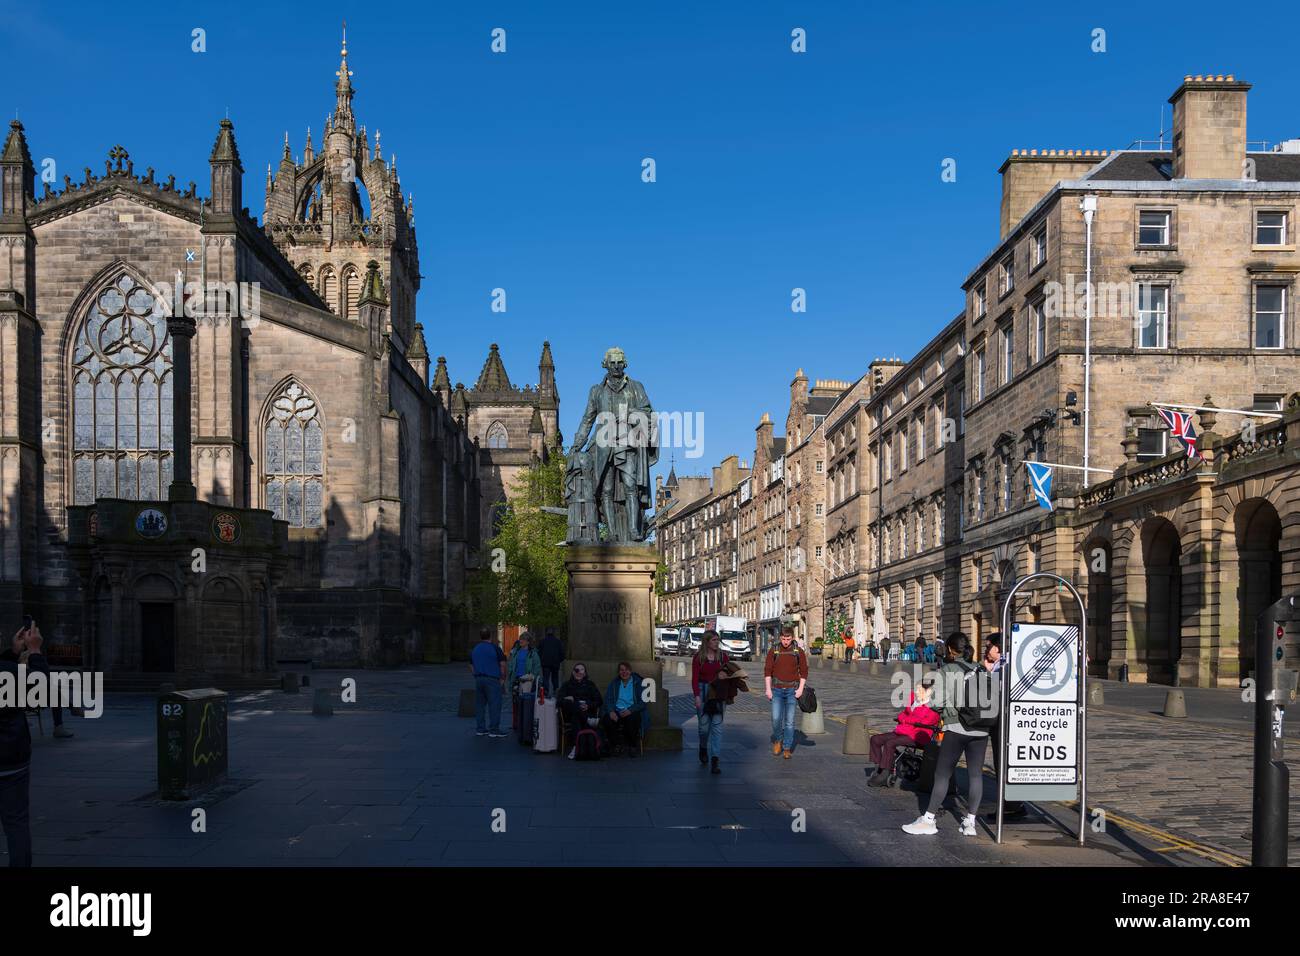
(1194, 261)
(766, 562)
(806, 570)
(1193, 256)
(697, 528)
(767, 524)
(309, 405)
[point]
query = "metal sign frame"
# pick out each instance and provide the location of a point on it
(1081, 741)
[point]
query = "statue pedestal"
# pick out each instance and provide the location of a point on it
(611, 619)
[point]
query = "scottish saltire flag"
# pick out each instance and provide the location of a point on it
(1180, 423)
(1040, 482)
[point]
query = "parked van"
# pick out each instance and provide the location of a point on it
(666, 640)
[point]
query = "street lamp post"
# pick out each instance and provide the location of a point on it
(1088, 204)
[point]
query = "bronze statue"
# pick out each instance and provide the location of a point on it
(609, 481)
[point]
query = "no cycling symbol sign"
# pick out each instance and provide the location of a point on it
(1044, 665)
(1043, 711)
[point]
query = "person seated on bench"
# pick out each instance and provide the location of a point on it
(624, 710)
(579, 700)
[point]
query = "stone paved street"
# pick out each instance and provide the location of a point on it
(1191, 777)
(399, 779)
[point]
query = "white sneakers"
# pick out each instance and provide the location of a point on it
(923, 826)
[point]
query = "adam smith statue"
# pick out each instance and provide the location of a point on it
(614, 472)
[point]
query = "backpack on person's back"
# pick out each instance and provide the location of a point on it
(981, 699)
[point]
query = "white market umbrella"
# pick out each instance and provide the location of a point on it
(859, 623)
(879, 627)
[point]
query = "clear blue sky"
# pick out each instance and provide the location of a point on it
(775, 170)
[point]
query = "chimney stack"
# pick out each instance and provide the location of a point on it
(1028, 175)
(1209, 127)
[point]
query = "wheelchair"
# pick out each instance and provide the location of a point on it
(909, 759)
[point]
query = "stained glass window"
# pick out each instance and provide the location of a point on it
(121, 396)
(497, 437)
(293, 458)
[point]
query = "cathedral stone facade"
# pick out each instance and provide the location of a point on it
(514, 426)
(337, 496)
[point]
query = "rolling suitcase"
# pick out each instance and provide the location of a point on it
(546, 736)
(526, 708)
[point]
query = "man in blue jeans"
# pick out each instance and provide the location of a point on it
(489, 666)
(785, 672)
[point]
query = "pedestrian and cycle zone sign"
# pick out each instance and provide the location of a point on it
(1043, 700)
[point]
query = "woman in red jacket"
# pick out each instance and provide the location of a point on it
(916, 725)
(708, 713)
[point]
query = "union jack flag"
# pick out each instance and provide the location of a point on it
(1180, 423)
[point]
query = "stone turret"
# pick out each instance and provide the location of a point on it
(441, 382)
(17, 176)
(227, 174)
(417, 353)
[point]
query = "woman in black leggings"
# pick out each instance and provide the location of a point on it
(957, 740)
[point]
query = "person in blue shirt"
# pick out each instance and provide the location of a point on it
(624, 710)
(488, 665)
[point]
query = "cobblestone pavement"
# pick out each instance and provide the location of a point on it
(398, 779)
(1191, 778)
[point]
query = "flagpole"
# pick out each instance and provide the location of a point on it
(1088, 204)
(1052, 464)
(1225, 411)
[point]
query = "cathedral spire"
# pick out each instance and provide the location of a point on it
(343, 88)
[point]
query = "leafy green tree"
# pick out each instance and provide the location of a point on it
(837, 625)
(521, 578)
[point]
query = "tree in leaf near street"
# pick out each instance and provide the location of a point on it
(521, 578)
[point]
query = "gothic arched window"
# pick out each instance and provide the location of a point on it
(293, 472)
(351, 288)
(497, 437)
(329, 289)
(122, 396)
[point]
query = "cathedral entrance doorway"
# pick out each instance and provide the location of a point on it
(158, 637)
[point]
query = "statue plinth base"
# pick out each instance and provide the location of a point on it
(611, 619)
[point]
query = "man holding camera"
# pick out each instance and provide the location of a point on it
(16, 748)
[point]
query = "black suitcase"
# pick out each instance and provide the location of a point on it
(526, 702)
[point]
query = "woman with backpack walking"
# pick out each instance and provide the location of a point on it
(958, 694)
(708, 713)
